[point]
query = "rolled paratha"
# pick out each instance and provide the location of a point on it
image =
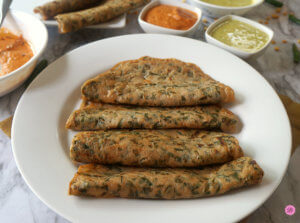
(156, 82)
(155, 148)
(53, 8)
(155, 183)
(106, 11)
(128, 117)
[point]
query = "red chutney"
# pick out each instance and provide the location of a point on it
(171, 17)
(14, 51)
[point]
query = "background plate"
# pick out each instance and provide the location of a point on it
(41, 143)
(29, 5)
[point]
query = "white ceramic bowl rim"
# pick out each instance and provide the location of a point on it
(153, 3)
(270, 32)
(36, 54)
(258, 2)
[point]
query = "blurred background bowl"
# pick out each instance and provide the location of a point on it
(35, 33)
(217, 10)
(238, 52)
(150, 28)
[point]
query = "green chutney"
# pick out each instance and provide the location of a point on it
(230, 3)
(240, 35)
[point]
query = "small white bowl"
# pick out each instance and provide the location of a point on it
(150, 28)
(217, 10)
(240, 53)
(35, 33)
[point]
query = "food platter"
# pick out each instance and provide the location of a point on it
(41, 143)
(28, 6)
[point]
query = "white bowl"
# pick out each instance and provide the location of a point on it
(217, 10)
(240, 53)
(35, 33)
(150, 28)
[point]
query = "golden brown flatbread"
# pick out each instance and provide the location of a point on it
(106, 11)
(155, 148)
(53, 8)
(108, 116)
(154, 183)
(156, 82)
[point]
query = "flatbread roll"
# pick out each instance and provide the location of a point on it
(154, 183)
(104, 12)
(129, 117)
(155, 148)
(156, 82)
(53, 8)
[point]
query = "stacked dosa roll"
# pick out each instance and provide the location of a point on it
(129, 117)
(155, 148)
(154, 183)
(170, 150)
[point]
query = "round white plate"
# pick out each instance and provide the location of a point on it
(29, 5)
(41, 143)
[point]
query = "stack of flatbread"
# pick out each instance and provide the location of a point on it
(154, 128)
(72, 15)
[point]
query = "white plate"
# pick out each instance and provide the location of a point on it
(29, 5)
(41, 143)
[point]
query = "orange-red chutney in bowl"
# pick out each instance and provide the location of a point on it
(171, 17)
(14, 51)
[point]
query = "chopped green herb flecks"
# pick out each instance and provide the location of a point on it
(156, 183)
